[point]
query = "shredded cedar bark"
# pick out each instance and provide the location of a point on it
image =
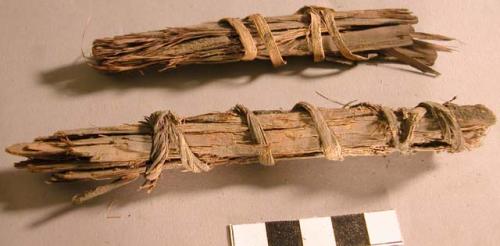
(345, 37)
(240, 136)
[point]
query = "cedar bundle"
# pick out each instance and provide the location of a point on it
(241, 136)
(381, 35)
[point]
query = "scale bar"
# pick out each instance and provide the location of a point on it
(375, 229)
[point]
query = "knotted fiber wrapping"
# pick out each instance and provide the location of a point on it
(165, 141)
(345, 37)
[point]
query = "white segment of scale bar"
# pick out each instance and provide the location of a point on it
(317, 231)
(248, 234)
(383, 228)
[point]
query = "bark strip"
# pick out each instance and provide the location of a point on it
(241, 136)
(314, 31)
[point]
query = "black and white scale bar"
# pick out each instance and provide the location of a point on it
(375, 228)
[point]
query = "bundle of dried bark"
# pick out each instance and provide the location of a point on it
(381, 35)
(240, 136)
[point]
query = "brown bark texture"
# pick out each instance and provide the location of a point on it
(345, 37)
(241, 136)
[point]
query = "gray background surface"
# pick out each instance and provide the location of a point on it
(441, 199)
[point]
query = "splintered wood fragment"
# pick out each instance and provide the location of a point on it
(80, 198)
(323, 33)
(242, 136)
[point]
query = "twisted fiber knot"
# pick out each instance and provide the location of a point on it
(326, 16)
(317, 16)
(450, 129)
(248, 42)
(402, 134)
(258, 134)
(166, 135)
(328, 139)
(246, 38)
(391, 120)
